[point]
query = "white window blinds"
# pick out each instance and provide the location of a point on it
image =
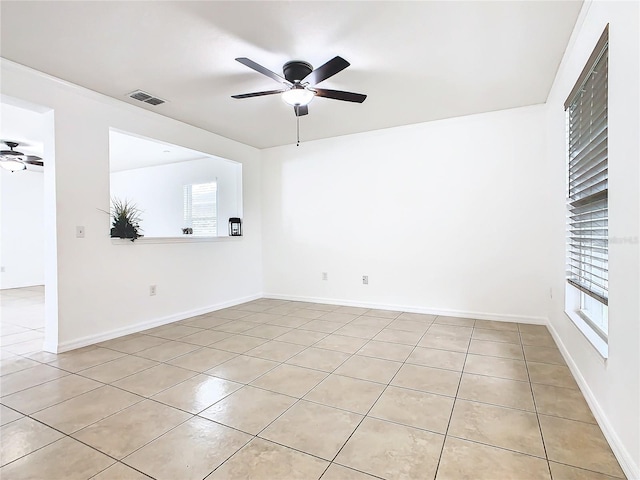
(200, 209)
(588, 230)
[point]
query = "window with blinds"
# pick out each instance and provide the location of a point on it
(587, 202)
(200, 208)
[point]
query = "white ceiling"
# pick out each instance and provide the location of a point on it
(416, 61)
(127, 152)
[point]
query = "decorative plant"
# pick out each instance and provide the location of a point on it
(126, 219)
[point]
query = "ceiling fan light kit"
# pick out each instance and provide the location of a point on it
(298, 96)
(299, 84)
(12, 165)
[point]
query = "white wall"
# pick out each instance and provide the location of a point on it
(22, 201)
(103, 285)
(611, 386)
(22, 235)
(158, 193)
(446, 216)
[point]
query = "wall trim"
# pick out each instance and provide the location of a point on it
(139, 327)
(18, 285)
(157, 322)
(630, 469)
(499, 317)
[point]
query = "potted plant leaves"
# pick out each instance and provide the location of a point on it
(125, 220)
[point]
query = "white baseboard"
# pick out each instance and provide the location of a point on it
(499, 317)
(630, 469)
(139, 327)
(13, 286)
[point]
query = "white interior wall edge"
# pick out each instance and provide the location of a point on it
(498, 317)
(51, 325)
(611, 386)
(158, 322)
(102, 287)
(617, 446)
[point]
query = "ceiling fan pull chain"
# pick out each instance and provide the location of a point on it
(298, 128)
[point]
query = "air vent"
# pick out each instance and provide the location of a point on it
(154, 101)
(145, 97)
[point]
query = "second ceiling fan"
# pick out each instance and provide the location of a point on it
(15, 161)
(300, 80)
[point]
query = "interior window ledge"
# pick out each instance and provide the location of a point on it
(592, 337)
(155, 240)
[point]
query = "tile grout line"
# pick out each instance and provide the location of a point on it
(453, 406)
(298, 400)
(161, 403)
(383, 392)
(351, 355)
(380, 395)
(66, 435)
(121, 463)
(301, 398)
(70, 435)
(535, 406)
(174, 428)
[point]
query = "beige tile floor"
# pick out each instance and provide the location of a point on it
(289, 390)
(21, 320)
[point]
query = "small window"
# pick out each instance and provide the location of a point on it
(588, 193)
(200, 208)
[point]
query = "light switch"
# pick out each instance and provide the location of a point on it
(79, 232)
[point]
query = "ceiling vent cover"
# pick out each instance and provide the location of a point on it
(145, 97)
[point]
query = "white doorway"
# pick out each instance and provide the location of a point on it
(27, 263)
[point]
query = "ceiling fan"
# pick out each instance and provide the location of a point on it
(300, 80)
(16, 161)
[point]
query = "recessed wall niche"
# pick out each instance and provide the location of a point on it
(180, 192)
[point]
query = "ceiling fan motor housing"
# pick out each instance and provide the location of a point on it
(296, 70)
(12, 153)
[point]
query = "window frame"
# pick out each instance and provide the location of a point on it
(592, 322)
(187, 206)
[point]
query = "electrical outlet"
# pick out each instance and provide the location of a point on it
(79, 232)
(152, 290)
(1, 269)
(365, 279)
(325, 276)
